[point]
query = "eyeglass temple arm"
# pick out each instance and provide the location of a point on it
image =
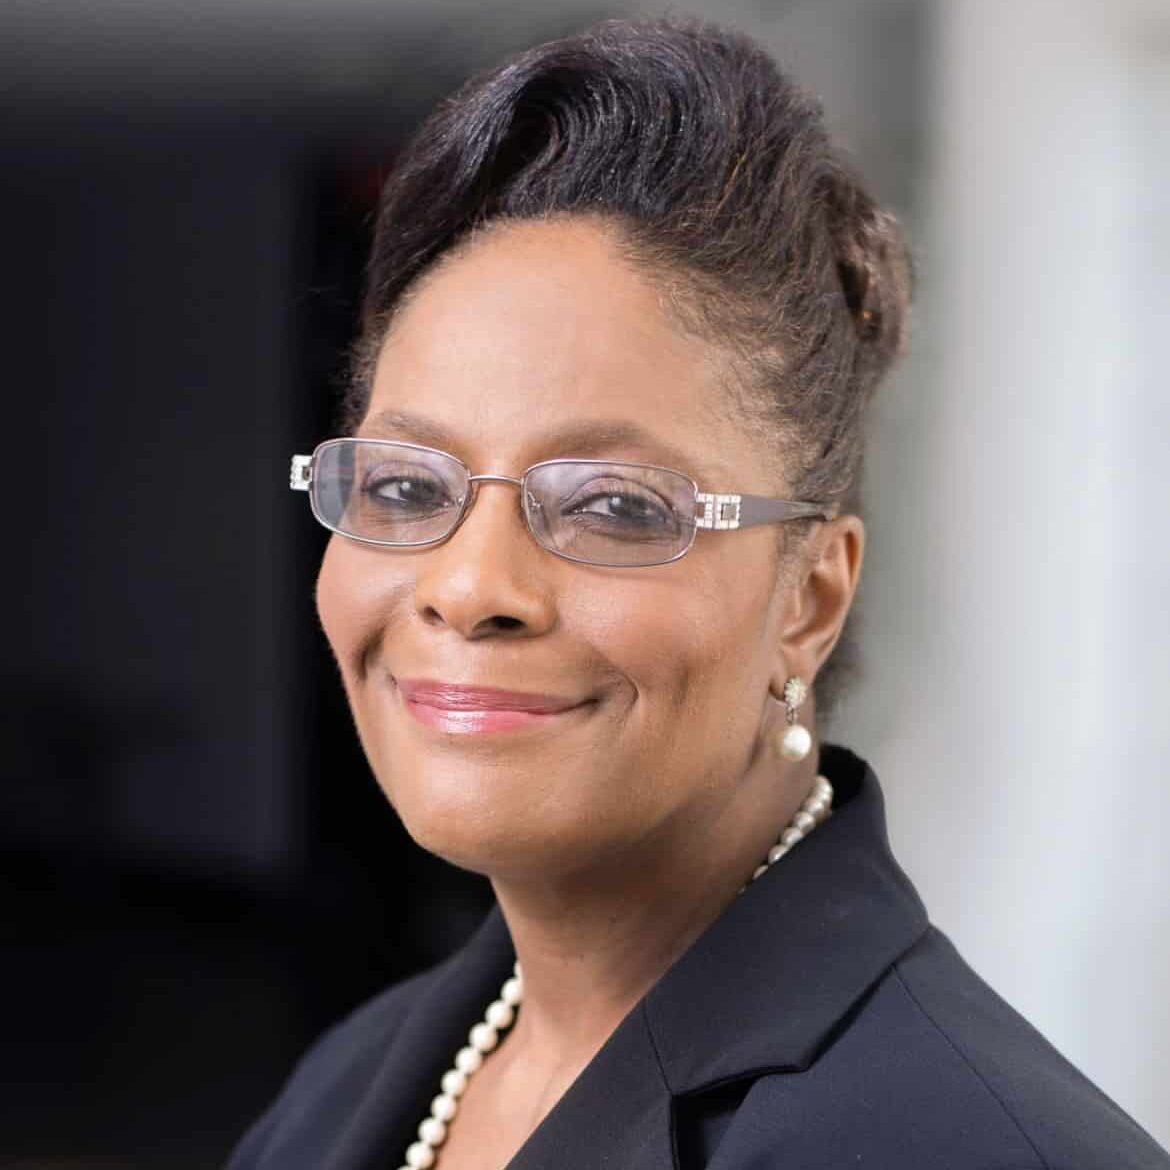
(727, 510)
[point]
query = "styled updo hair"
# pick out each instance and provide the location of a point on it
(718, 174)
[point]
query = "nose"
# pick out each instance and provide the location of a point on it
(489, 577)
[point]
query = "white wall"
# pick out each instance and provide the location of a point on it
(1019, 626)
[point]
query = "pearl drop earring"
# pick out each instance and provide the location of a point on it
(795, 740)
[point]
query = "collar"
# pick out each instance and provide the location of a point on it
(761, 990)
(794, 952)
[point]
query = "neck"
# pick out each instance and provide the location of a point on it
(593, 943)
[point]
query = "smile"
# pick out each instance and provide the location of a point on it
(466, 710)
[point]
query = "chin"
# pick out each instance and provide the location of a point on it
(459, 839)
(497, 822)
(473, 818)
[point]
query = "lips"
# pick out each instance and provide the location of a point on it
(454, 697)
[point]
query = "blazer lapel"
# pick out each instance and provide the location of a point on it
(769, 981)
(616, 1114)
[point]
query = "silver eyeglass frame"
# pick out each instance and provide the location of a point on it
(714, 511)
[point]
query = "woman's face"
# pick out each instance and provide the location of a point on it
(538, 341)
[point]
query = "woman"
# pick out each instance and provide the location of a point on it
(596, 543)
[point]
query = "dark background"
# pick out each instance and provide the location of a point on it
(197, 870)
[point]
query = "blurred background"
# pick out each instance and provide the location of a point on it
(197, 872)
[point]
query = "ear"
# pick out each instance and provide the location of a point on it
(816, 598)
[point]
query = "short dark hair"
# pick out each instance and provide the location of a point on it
(718, 171)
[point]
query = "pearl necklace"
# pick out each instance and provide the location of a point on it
(501, 1014)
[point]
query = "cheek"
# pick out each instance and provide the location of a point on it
(357, 592)
(359, 595)
(330, 597)
(695, 649)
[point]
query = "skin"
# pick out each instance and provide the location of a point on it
(616, 834)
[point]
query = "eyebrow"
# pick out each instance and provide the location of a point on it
(587, 437)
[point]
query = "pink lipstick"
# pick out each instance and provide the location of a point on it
(470, 710)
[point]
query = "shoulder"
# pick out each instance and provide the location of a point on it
(331, 1076)
(932, 1068)
(1066, 1120)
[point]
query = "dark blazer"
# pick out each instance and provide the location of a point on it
(819, 1023)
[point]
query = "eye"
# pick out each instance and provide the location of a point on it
(406, 488)
(620, 503)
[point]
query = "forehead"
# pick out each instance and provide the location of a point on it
(539, 340)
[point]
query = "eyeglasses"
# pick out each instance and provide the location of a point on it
(594, 511)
